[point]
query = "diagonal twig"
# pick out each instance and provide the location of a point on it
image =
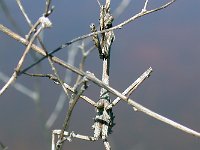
(132, 87)
(15, 74)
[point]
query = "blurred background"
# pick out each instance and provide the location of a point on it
(168, 41)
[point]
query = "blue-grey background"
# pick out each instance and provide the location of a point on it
(168, 41)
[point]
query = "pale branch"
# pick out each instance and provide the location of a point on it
(68, 136)
(33, 27)
(15, 74)
(145, 6)
(119, 26)
(55, 80)
(24, 13)
(44, 23)
(74, 99)
(21, 88)
(72, 52)
(120, 9)
(141, 108)
(85, 54)
(132, 87)
(73, 135)
(99, 83)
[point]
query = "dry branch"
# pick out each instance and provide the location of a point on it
(119, 26)
(99, 83)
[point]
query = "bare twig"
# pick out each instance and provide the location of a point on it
(99, 82)
(119, 26)
(68, 136)
(67, 79)
(19, 87)
(84, 57)
(132, 87)
(145, 6)
(122, 6)
(71, 58)
(24, 13)
(139, 107)
(142, 108)
(47, 13)
(15, 74)
(45, 23)
(72, 103)
(54, 78)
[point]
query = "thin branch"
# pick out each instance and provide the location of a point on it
(45, 23)
(72, 52)
(21, 88)
(24, 13)
(85, 54)
(139, 107)
(15, 74)
(48, 2)
(119, 26)
(73, 135)
(132, 87)
(120, 9)
(145, 6)
(53, 78)
(142, 108)
(72, 103)
(98, 82)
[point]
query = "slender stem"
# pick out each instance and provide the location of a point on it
(19, 65)
(133, 86)
(119, 26)
(72, 103)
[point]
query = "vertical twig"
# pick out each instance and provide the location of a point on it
(104, 118)
(72, 52)
(72, 103)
